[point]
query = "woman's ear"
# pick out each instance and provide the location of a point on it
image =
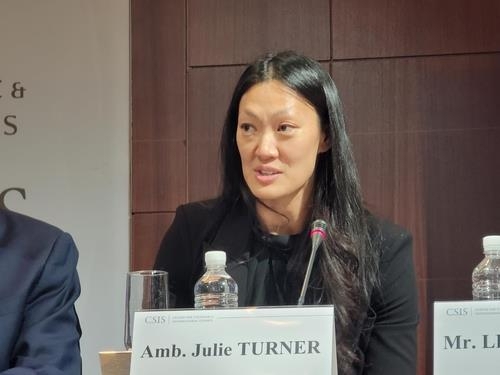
(324, 144)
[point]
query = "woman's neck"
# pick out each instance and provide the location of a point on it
(282, 220)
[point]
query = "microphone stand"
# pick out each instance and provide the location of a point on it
(318, 234)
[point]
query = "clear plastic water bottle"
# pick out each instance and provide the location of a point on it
(486, 275)
(215, 289)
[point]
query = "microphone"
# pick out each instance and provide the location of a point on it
(318, 234)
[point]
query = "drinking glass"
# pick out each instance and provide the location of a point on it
(146, 290)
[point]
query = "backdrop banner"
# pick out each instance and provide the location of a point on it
(64, 136)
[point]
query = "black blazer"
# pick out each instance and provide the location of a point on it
(39, 329)
(388, 339)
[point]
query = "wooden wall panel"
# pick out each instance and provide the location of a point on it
(147, 233)
(158, 102)
(416, 94)
(209, 93)
(462, 181)
(375, 156)
(409, 197)
(158, 171)
(159, 175)
(383, 28)
(223, 32)
(158, 69)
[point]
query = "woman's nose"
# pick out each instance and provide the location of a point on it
(267, 147)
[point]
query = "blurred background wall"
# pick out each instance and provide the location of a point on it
(64, 142)
(420, 82)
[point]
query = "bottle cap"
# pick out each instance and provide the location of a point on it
(215, 258)
(491, 243)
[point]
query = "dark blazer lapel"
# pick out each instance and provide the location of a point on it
(3, 227)
(233, 237)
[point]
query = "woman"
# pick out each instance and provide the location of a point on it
(286, 161)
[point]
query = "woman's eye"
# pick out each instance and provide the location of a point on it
(285, 127)
(246, 127)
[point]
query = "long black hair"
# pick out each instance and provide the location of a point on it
(348, 263)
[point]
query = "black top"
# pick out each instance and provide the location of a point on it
(258, 263)
(268, 276)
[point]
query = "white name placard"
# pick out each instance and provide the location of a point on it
(271, 341)
(467, 337)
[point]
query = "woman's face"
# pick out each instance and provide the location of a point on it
(279, 137)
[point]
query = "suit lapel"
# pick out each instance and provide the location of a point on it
(233, 237)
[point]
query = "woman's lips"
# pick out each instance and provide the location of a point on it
(266, 176)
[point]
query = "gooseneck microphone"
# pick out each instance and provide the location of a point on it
(318, 234)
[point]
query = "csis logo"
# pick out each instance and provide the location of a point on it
(458, 311)
(156, 319)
